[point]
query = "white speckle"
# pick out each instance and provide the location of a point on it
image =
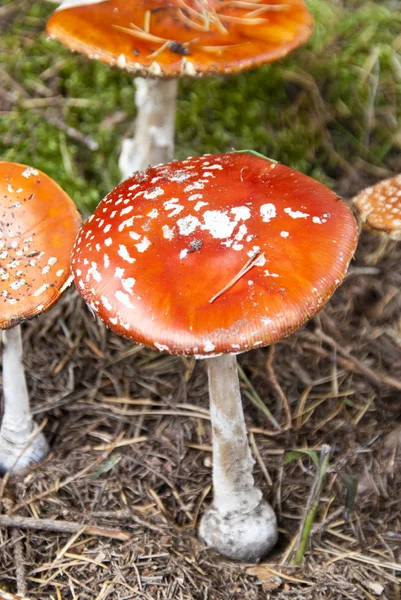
(195, 197)
(255, 250)
(266, 321)
(134, 235)
(123, 298)
(126, 210)
(45, 270)
(121, 61)
(173, 206)
(108, 242)
(93, 271)
(155, 69)
(284, 234)
(106, 261)
(154, 193)
(187, 68)
(180, 176)
(218, 224)
(168, 233)
(241, 233)
(12, 301)
(250, 282)
(107, 228)
(144, 245)
(296, 214)
(219, 167)
(4, 254)
(127, 223)
(153, 213)
(106, 303)
(29, 171)
(162, 348)
(42, 289)
(128, 284)
(194, 186)
(119, 272)
(237, 246)
(52, 261)
(32, 263)
(10, 189)
(267, 212)
(183, 253)
(268, 274)
(242, 213)
(209, 347)
(59, 272)
(199, 205)
(187, 225)
(16, 285)
(316, 220)
(14, 244)
(133, 187)
(123, 252)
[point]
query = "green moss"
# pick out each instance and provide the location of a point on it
(330, 109)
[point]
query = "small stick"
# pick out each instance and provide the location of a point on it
(313, 504)
(61, 527)
(277, 387)
(256, 260)
(19, 562)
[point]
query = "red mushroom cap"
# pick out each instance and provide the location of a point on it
(38, 225)
(379, 207)
(153, 259)
(183, 37)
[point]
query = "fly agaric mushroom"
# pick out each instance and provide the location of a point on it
(38, 226)
(213, 256)
(379, 210)
(173, 38)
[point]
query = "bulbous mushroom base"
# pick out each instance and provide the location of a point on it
(242, 537)
(10, 451)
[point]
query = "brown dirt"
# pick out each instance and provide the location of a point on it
(341, 377)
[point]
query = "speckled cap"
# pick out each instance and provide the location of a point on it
(38, 226)
(169, 38)
(215, 254)
(379, 207)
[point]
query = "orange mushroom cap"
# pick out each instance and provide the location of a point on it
(183, 37)
(379, 207)
(38, 226)
(215, 254)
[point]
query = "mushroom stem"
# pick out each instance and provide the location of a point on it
(17, 425)
(154, 128)
(240, 524)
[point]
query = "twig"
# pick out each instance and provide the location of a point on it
(61, 527)
(313, 503)
(256, 399)
(19, 562)
(277, 387)
(256, 260)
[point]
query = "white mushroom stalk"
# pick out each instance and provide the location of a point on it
(153, 142)
(240, 525)
(19, 446)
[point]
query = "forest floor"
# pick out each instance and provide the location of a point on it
(130, 460)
